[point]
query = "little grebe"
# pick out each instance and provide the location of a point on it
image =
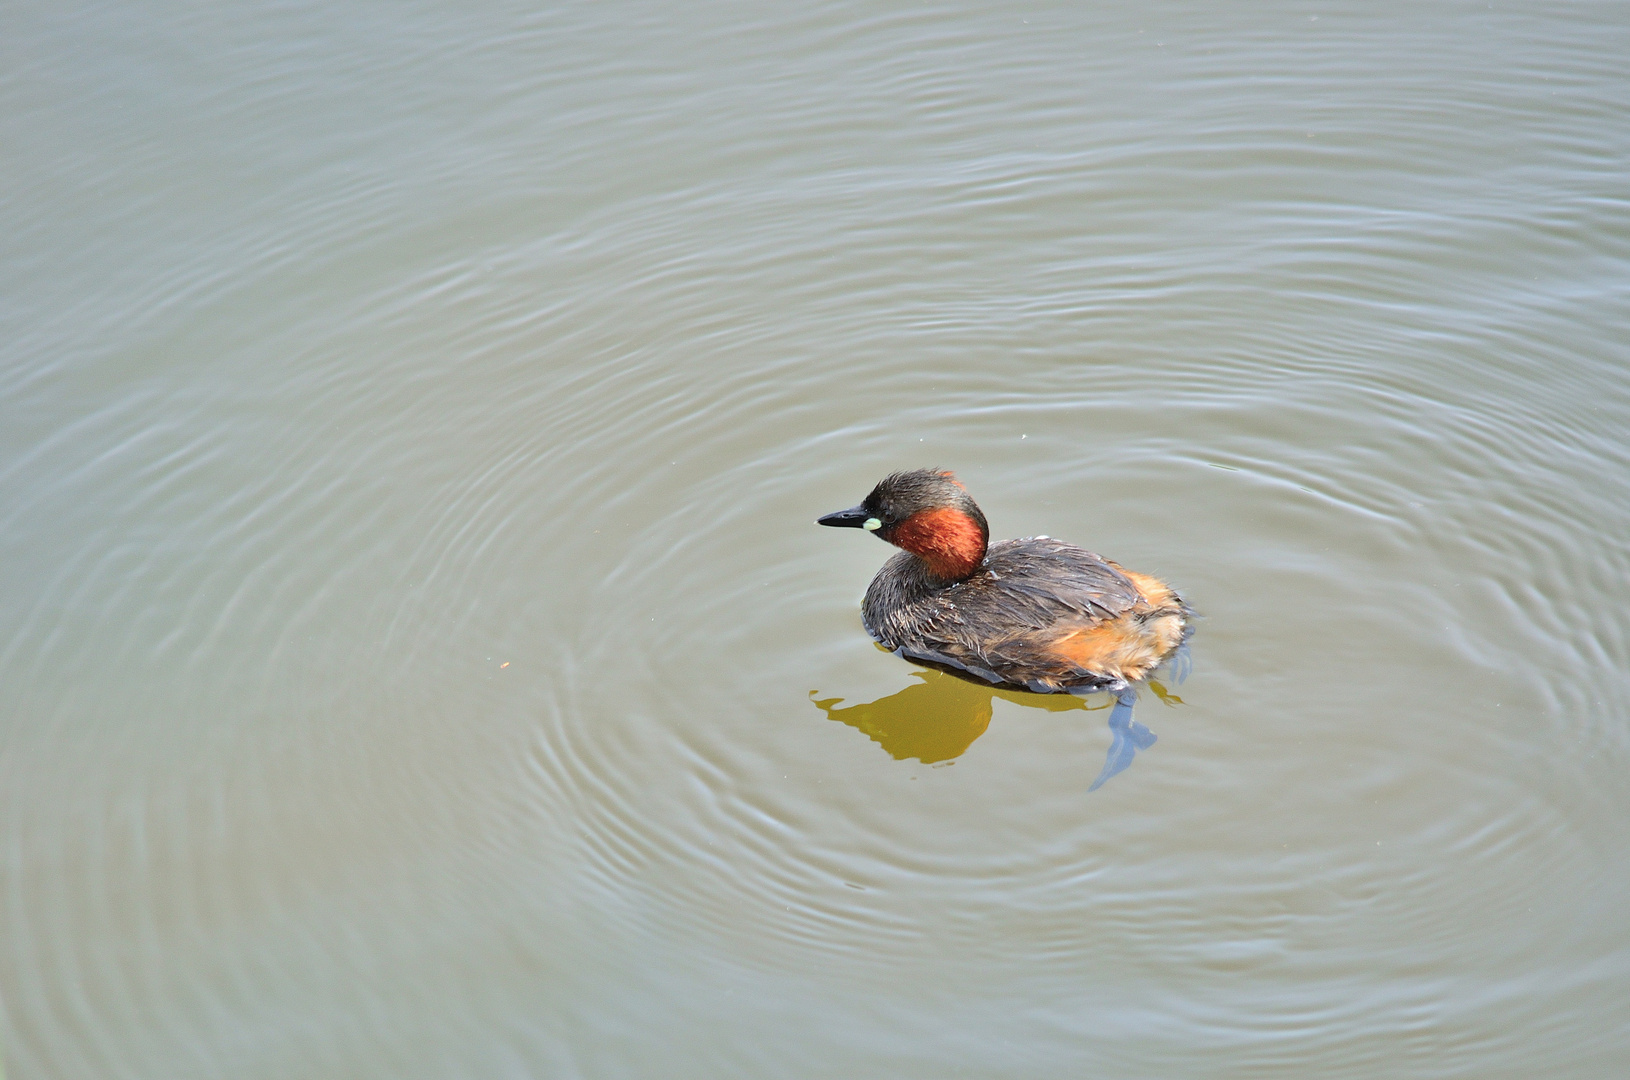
(1034, 614)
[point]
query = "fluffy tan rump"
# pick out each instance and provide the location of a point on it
(1156, 593)
(1132, 644)
(1123, 648)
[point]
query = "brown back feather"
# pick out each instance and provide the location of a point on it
(1039, 613)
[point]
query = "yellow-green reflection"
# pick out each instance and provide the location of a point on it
(938, 718)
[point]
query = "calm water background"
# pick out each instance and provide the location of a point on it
(412, 417)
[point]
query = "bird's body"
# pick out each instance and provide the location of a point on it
(1035, 614)
(1038, 614)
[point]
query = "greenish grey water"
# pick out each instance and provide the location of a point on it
(419, 661)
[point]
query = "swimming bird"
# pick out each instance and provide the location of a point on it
(1033, 614)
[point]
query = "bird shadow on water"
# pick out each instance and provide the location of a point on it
(935, 720)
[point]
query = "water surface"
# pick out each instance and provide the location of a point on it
(419, 660)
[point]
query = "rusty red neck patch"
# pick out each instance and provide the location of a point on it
(948, 540)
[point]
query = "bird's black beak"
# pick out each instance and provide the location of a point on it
(852, 518)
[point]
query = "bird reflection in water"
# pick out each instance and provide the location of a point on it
(938, 718)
